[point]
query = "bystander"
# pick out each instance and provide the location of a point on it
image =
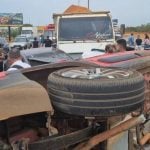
(15, 60)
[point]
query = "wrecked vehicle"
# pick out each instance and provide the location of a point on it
(87, 102)
(42, 55)
(24, 112)
(128, 59)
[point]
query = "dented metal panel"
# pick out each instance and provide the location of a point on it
(20, 96)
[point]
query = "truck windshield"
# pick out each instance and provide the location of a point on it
(85, 28)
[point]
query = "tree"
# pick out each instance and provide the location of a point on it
(142, 28)
(15, 32)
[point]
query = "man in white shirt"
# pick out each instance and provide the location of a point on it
(15, 60)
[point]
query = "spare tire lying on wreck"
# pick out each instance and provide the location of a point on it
(88, 91)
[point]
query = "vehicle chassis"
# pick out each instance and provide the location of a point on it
(91, 128)
(73, 130)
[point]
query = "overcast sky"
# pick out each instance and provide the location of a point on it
(39, 12)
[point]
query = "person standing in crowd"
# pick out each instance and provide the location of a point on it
(41, 40)
(138, 42)
(48, 42)
(35, 43)
(15, 60)
(146, 42)
(121, 45)
(2, 57)
(131, 40)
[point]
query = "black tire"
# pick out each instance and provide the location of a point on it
(101, 96)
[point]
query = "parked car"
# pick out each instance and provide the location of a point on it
(21, 42)
(42, 55)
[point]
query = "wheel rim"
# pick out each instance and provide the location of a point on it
(94, 73)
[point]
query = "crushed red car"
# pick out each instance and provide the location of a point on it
(128, 59)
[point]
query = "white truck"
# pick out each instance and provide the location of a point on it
(29, 31)
(83, 32)
(116, 29)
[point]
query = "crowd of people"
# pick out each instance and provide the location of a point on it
(138, 43)
(42, 42)
(14, 59)
(130, 44)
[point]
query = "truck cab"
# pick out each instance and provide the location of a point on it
(80, 32)
(29, 31)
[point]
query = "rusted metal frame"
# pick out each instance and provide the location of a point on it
(60, 142)
(146, 72)
(110, 133)
(130, 140)
(138, 136)
(145, 139)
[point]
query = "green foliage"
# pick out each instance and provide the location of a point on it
(15, 32)
(142, 28)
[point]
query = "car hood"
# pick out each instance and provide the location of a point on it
(21, 96)
(48, 60)
(18, 44)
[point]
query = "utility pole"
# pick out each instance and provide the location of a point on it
(88, 4)
(78, 2)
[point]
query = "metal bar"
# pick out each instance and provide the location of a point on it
(130, 141)
(138, 137)
(60, 142)
(110, 133)
(88, 4)
(138, 134)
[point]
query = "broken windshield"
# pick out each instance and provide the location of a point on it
(85, 28)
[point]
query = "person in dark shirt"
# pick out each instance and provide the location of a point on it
(35, 43)
(138, 42)
(48, 42)
(121, 45)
